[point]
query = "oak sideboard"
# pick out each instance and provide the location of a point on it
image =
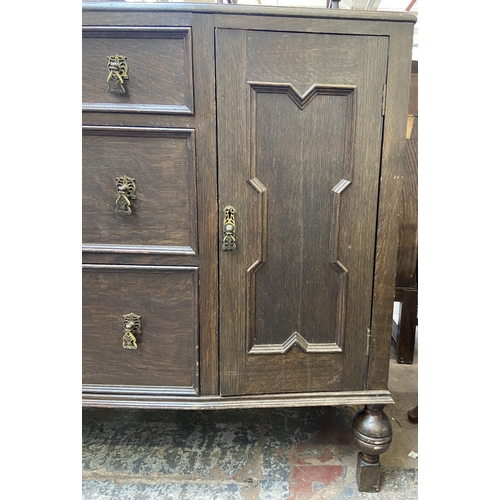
(242, 172)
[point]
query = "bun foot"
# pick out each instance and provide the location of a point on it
(372, 433)
(368, 473)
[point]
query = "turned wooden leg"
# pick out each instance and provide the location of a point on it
(372, 431)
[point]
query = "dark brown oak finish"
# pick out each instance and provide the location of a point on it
(149, 89)
(313, 150)
(389, 207)
(164, 213)
(372, 432)
(406, 276)
(294, 118)
(167, 352)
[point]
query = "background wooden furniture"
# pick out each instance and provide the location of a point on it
(407, 271)
(241, 180)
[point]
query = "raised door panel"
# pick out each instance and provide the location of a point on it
(299, 134)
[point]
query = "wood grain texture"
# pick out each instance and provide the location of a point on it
(299, 179)
(94, 398)
(408, 228)
(139, 15)
(298, 128)
(143, 259)
(311, 25)
(139, 120)
(237, 13)
(204, 77)
(356, 252)
(310, 164)
(160, 69)
(167, 301)
(164, 215)
(404, 331)
(232, 155)
(389, 210)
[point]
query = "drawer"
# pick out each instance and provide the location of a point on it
(166, 357)
(154, 71)
(158, 213)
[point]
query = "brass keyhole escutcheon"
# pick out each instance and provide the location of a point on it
(229, 229)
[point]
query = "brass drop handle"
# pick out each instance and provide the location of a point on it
(229, 229)
(126, 189)
(117, 74)
(131, 328)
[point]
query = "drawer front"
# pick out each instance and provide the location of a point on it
(154, 73)
(161, 214)
(166, 357)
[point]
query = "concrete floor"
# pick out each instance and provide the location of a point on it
(268, 454)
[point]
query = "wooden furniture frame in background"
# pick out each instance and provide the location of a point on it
(404, 330)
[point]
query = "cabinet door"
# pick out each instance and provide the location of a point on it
(299, 138)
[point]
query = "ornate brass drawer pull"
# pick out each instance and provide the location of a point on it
(229, 241)
(131, 328)
(126, 192)
(118, 72)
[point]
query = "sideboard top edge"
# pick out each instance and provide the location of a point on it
(262, 10)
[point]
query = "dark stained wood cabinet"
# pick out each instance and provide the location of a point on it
(241, 183)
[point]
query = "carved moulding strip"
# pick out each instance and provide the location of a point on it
(92, 398)
(261, 191)
(131, 390)
(301, 100)
(335, 263)
(296, 339)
